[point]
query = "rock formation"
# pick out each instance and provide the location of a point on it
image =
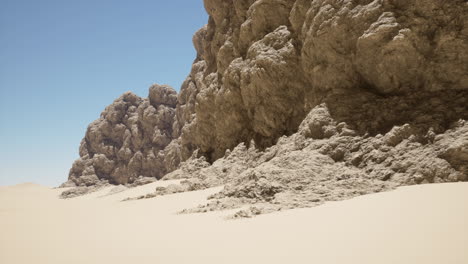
(127, 142)
(300, 100)
(263, 65)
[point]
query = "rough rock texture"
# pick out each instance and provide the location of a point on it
(127, 142)
(295, 102)
(326, 161)
(263, 65)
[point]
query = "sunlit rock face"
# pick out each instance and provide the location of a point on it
(385, 67)
(263, 65)
(128, 140)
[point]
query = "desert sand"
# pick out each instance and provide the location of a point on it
(417, 224)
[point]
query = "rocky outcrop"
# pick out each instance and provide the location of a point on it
(263, 65)
(325, 161)
(300, 100)
(127, 143)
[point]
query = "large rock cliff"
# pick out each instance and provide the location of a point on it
(263, 65)
(372, 93)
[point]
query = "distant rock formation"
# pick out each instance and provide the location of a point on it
(360, 95)
(127, 142)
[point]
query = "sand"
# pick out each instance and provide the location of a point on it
(418, 224)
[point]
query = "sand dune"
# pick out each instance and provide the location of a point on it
(419, 224)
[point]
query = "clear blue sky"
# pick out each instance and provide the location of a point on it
(63, 61)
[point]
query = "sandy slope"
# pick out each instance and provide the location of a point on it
(419, 224)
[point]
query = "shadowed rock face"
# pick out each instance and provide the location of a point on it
(263, 67)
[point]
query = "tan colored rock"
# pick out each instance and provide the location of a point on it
(306, 170)
(263, 65)
(162, 95)
(126, 143)
(292, 103)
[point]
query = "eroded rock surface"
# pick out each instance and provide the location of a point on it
(292, 103)
(126, 144)
(327, 161)
(263, 65)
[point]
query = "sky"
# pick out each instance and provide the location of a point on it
(63, 61)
